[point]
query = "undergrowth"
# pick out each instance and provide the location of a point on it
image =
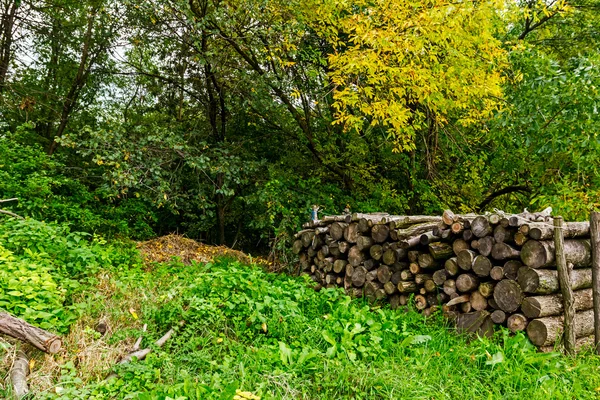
(239, 329)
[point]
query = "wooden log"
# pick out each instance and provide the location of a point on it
(504, 222)
(307, 238)
(344, 247)
(545, 281)
(18, 375)
(482, 266)
(351, 233)
(370, 264)
(334, 250)
(406, 275)
(339, 266)
(411, 220)
(430, 286)
(465, 259)
(466, 283)
(478, 302)
(457, 227)
(413, 256)
(397, 277)
(544, 231)
(336, 230)
(371, 275)
(520, 239)
(407, 287)
(421, 278)
(355, 256)
(486, 289)
(39, 338)
(498, 316)
(414, 268)
(552, 305)
(467, 235)
(564, 272)
(297, 246)
(508, 295)
(416, 230)
(459, 245)
(497, 273)
(449, 287)
(546, 331)
(427, 238)
(141, 354)
(420, 302)
(539, 254)
(440, 276)
(475, 244)
(502, 251)
(323, 252)
(503, 234)
(481, 227)
(511, 269)
(459, 300)
(426, 261)
(390, 256)
(451, 266)
(517, 322)
(448, 217)
(440, 250)
(384, 274)
(478, 322)
(390, 288)
(364, 243)
(364, 226)
(595, 246)
(371, 290)
(494, 219)
(581, 344)
(359, 276)
(380, 233)
(376, 252)
(486, 244)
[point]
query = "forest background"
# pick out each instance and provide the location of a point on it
(227, 120)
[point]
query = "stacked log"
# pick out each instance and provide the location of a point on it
(480, 270)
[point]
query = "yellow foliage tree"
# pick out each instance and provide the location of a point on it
(407, 65)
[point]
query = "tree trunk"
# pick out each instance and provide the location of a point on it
(39, 338)
(551, 305)
(538, 254)
(545, 281)
(546, 331)
(508, 295)
(543, 231)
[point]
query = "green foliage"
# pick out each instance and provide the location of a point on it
(239, 328)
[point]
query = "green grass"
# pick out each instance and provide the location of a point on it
(238, 327)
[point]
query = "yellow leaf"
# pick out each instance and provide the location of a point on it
(133, 313)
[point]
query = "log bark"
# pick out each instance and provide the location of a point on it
(481, 227)
(478, 302)
(459, 245)
(538, 254)
(380, 233)
(498, 317)
(18, 375)
(517, 322)
(415, 230)
(545, 281)
(497, 273)
(466, 283)
(546, 331)
(482, 266)
(465, 259)
(426, 261)
(351, 233)
(543, 230)
(39, 338)
(508, 295)
(486, 244)
(511, 269)
(478, 322)
(451, 266)
(440, 250)
(336, 230)
(552, 305)
(595, 245)
(407, 287)
(502, 251)
(359, 276)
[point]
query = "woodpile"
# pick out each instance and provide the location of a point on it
(480, 270)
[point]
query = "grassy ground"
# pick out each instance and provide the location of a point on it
(238, 327)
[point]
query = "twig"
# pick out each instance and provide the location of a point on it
(12, 214)
(136, 346)
(7, 200)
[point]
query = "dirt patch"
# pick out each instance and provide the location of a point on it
(165, 248)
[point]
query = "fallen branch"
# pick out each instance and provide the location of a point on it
(12, 214)
(39, 338)
(18, 375)
(141, 354)
(138, 342)
(7, 200)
